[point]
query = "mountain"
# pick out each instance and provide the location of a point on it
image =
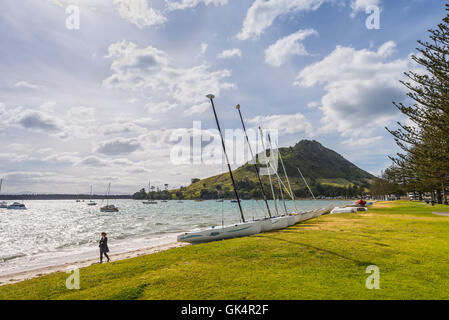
(326, 171)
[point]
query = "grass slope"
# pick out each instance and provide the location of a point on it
(325, 258)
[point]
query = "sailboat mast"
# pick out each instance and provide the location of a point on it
(279, 180)
(1, 183)
(211, 98)
(107, 196)
(255, 162)
(292, 195)
(269, 173)
(306, 183)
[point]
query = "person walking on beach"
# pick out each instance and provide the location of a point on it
(104, 247)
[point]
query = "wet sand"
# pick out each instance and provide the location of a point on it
(30, 274)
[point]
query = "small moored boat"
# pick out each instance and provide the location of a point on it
(17, 206)
(109, 208)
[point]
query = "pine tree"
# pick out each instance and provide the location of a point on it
(425, 141)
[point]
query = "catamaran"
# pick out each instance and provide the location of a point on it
(3, 204)
(109, 207)
(267, 222)
(279, 221)
(224, 232)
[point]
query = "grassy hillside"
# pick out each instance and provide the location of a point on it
(325, 170)
(325, 258)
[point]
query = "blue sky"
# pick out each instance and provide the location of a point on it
(99, 104)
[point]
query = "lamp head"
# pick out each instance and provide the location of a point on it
(210, 96)
(237, 107)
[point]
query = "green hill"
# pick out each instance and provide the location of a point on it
(327, 172)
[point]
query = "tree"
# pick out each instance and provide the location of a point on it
(425, 140)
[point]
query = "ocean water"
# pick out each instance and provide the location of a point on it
(56, 232)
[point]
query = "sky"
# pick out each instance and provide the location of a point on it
(106, 96)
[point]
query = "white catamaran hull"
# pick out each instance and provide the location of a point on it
(279, 223)
(291, 220)
(215, 234)
(265, 225)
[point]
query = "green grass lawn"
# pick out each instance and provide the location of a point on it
(325, 258)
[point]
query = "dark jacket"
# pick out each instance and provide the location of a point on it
(104, 244)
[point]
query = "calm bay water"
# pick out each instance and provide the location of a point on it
(57, 232)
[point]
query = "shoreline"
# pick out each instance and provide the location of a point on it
(39, 272)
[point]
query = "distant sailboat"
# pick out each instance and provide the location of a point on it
(109, 207)
(3, 204)
(91, 202)
(149, 201)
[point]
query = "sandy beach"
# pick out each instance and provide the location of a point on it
(30, 274)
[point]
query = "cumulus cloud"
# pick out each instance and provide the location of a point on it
(118, 146)
(184, 4)
(288, 123)
(231, 53)
(360, 86)
(150, 68)
(262, 14)
(278, 53)
(139, 13)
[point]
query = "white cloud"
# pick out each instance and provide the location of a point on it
(197, 109)
(362, 142)
(139, 13)
(121, 128)
(204, 47)
(278, 53)
(360, 87)
(288, 123)
(313, 104)
(361, 5)
(262, 14)
(118, 146)
(184, 4)
(159, 107)
(231, 53)
(150, 69)
(28, 85)
(81, 112)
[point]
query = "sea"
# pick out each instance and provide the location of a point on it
(51, 233)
